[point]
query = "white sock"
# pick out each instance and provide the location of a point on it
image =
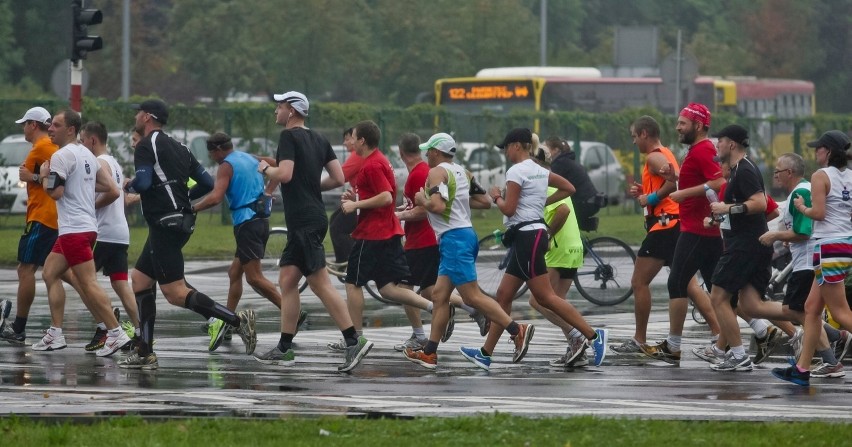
(114, 332)
(419, 332)
(137, 332)
(466, 308)
(429, 307)
(717, 351)
(759, 326)
(738, 351)
(55, 331)
(211, 320)
(575, 333)
(674, 342)
(102, 326)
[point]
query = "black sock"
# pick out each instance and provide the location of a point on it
(19, 324)
(484, 352)
(513, 328)
(147, 304)
(206, 307)
(285, 342)
(350, 335)
(431, 347)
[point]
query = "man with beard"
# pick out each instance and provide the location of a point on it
(697, 248)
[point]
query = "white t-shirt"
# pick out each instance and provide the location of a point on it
(838, 206)
(457, 212)
(112, 223)
(76, 208)
(533, 180)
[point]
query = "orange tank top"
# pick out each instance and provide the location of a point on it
(653, 182)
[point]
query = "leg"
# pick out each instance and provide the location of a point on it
(355, 305)
(258, 282)
(235, 284)
(54, 267)
(644, 271)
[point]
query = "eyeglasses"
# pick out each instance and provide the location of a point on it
(778, 171)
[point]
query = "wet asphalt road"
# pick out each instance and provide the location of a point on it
(194, 382)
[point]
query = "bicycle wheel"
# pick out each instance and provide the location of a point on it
(604, 278)
(274, 247)
(488, 271)
(371, 289)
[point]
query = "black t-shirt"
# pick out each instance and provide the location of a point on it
(310, 152)
(745, 228)
(173, 164)
(576, 174)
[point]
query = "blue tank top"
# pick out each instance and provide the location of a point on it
(245, 186)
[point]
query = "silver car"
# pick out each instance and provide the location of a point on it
(604, 169)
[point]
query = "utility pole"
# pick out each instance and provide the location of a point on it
(542, 59)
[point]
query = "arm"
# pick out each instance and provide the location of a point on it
(480, 202)
(770, 237)
(220, 186)
(509, 204)
(698, 190)
(203, 185)
(755, 204)
(143, 180)
(335, 176)
(56, 192)
(656, 162)
(820, 186)
(564, 188)
(106, 198)
(414, 214)
(559, 219)
(384, 198)
(433, 203)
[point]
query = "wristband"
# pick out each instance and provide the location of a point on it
(653, 199)
(495, 199)
(264, 169)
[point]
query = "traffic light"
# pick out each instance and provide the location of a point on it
(81, 42)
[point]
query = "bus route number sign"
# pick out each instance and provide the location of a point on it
(488, 91)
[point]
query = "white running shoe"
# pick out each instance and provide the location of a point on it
(50, 342)
(113, 344)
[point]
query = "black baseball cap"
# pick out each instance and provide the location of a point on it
(156, 108)
(736, 133)
(833, 139)
(517, 135)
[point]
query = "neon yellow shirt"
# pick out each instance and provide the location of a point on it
(567, 251)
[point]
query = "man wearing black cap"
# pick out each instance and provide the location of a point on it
(163, 167)
(744, 267)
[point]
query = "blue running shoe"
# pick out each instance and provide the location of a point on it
(792, 374)
(476, 357)
(599, 346)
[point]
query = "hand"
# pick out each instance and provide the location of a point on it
(798, 202)
(709, 222)
(678, 196)
(348, 207)
(636, 189)
(420, 197)
(643, 200)
(719, 208)
(767, 238)
(347, 195)
(45, 169)
(495, 192)
(24, 174)
(668, 172)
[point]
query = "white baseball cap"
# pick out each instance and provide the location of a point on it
(442, 142)
(37, 114)
(296, 100)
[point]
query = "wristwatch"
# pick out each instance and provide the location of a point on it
(36, 178)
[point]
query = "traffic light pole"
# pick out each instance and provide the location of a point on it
(76, 98)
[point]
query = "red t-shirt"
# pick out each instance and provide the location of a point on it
(376, 177)
(351, 167)
(698, 168)
(418, 233)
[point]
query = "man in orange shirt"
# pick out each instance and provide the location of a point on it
(41, 230)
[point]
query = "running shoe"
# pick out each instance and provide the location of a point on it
(8, 334)
(5, 310)
(275, 357)
(599, 346)
(135, 361)
(796, 342)
(661, 351)
(708, 353)
(451, 325)
(827, 370)
(577, 346)
(626, 348)
(246, 330)
(339, 345)
(97, 340)
(580, 361)
(112, 344)
(355, 353)
(731, 363)
(522, 341)
(303, 315)
(413, 343)
(429, 361)
(50, 342)
(792, 374)
(562, 360)
(476, 357)
(128, 328)
(482, 321)
(841, 347)
(216, 330)
(767, 344)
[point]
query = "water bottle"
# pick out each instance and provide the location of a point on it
(498, 236)
(711, 194)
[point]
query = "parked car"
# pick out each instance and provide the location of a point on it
(486, 162)
(13, 192)
(604, 169)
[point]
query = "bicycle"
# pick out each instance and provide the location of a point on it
(275, 246)
(603, 279)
